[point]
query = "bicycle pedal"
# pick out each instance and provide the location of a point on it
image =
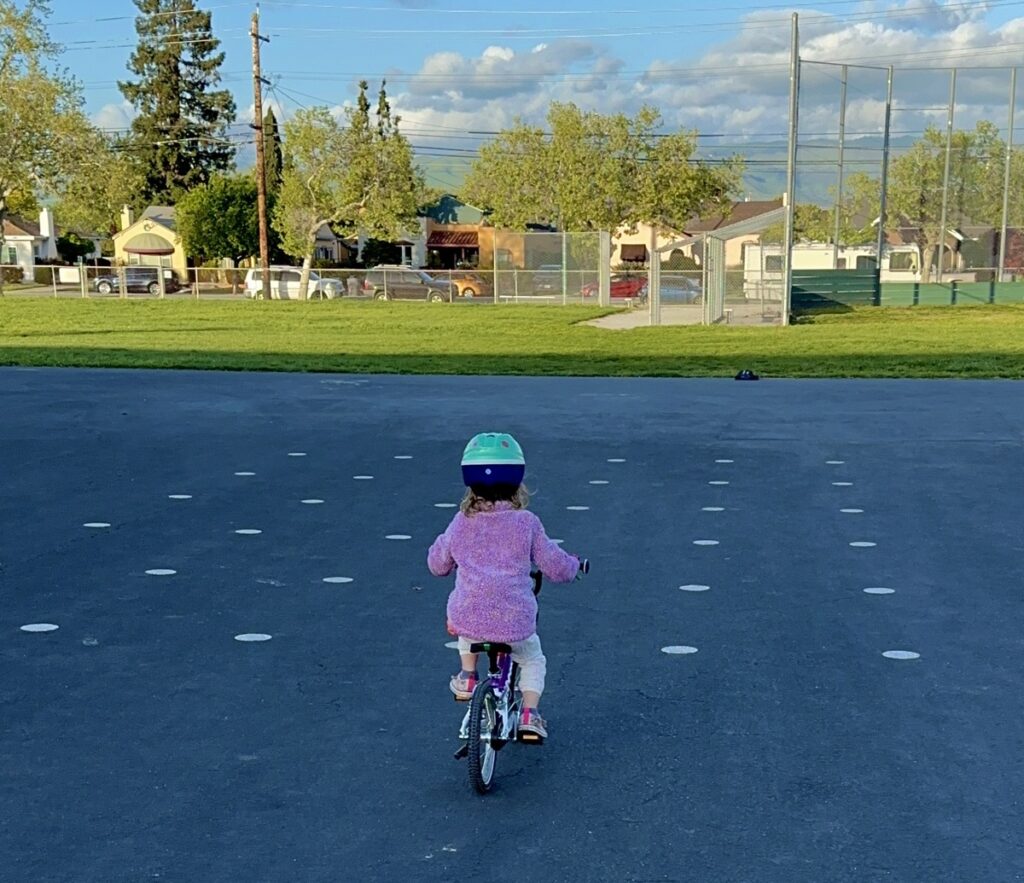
(460, 699)
(462, 752)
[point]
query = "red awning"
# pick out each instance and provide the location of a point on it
(453, 239)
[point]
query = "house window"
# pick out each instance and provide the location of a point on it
(503, 258)
(903, 262)
(841, 263)
(773, 263)
(865, 262)
(10, 255)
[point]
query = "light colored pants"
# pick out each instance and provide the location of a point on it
(533, 666)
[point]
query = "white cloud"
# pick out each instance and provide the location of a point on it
(114, 117)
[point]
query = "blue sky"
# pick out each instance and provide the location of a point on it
(720, 68)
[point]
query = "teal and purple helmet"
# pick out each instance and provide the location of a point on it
(493, 458)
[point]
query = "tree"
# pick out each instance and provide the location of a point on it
(914, 199)
(180, 133)
(274, 159)
(220, 220)
(356, 179)
(71, 247)
(40, 119)
(597, 172)
(107, 177)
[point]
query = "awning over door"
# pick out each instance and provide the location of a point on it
(149, 244)
(453, 239)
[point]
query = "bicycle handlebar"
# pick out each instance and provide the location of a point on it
(538, 576)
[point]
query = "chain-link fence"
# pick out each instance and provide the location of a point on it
(914, 177)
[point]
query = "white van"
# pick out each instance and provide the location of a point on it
(284, 284)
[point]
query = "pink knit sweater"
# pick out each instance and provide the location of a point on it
(493, 598)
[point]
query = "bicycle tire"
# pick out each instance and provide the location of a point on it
(482, 757)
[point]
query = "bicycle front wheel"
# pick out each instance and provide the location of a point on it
(483, 722)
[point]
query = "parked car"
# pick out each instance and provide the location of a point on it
(680, 289)
(402, 283)
(621, 286)
(547, 279)
(284, 284)
(137, 279)
(468, 284)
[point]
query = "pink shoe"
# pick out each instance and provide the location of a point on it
(532, 727)
(462, 686)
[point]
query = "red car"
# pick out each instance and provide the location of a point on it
(621, 286)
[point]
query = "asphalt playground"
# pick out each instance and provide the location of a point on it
(835, 568)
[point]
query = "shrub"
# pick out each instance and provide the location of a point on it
(13, 275)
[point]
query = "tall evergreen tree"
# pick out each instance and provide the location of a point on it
(180, 132)
(273, 157)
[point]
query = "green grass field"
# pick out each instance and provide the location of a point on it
(970, 341)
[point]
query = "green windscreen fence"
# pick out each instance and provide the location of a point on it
(821, 289)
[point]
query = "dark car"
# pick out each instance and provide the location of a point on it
(402, 283)
(138, 279)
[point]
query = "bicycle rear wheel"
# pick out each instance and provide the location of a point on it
(483, 721)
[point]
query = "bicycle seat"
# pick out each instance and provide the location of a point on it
(489, 647)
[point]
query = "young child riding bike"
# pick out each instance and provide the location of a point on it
(494, 542)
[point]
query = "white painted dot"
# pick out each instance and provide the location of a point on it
(403, 456)
(245, 473)
(862, 544)
(90, 642)
(694, 588)
(725, 461)
(161, 571)
(718, 482)
(705, 542)
(40, 627)
(179, 496)
(835, 462)
(363, 477)
(851, 511)
(577, 508)
(677, 649)
(337, 579)
(312, 502)
(598, 481)
(248, 531)
(880, 590)
(445, 505)
(398, 536)
(296, 453)
(96, 524)
(901, 654)
(842, 484)
(616, 460)
(712, 509)
(252, 637)
(452, 645)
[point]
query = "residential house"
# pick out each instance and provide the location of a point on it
(26, 242)
(738, 213)
(152, 240)
(453, 236)
(330, 248)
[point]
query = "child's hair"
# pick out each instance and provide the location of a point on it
(479, 498)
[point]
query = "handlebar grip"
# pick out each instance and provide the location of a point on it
(584, 565)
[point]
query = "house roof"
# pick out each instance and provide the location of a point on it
(740, 211)
(15, 225)
(452, 210)
(162, 214)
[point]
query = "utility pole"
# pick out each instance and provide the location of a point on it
(945, 174)
(839, 183)
(794, 128)
(261, 167)
(883, 188)
(1006, 177)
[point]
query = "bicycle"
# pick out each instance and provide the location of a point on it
(492, 719)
